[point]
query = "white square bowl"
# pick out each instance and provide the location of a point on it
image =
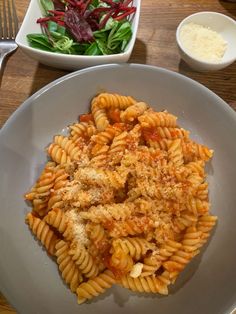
(66, 61)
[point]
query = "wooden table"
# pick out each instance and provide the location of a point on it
(155, 45)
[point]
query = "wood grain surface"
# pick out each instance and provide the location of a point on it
(155, 45)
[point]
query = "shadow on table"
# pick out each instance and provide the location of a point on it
(139, 54)
(3, 66)
(229, 6)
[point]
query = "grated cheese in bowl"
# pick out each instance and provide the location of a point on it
(202, 42)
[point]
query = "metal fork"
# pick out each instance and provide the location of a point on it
(8, 29)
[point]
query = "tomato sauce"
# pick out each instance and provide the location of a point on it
(114, 116)
(151, 134)
(86, 117)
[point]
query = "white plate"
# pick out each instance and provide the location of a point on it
(65, 61)
(29, 279)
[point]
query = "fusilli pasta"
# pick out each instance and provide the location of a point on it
(123, 199)
(43, 233)
(69, 271)
(94, 287)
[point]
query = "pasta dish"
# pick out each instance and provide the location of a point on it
(123, 199)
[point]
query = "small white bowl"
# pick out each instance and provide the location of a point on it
(66, 61)
(219, 23)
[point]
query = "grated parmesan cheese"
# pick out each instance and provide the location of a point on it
(89, 174)
(78, 227)
(136, 270)
(202, 42)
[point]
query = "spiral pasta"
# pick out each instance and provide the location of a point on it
(82, 130)
(99, 243)
(83, 260)
(195, 151)
(119, 144)
(202, 191)
(132, 226)
(100, 116)
(120, 262)
(196, 167)
(135, 247)
(152, 119)
(144, 284)
(205, 224)
(96, 233)
(99, 177)
(61, 179)
(123, 199)
(58, 220)
(94, 287)
(69, 271)
(99, 160)
(58, 154)
(68, 146)
(106, 136)
(43, 233)
(43, 184)
(133, 112)
(102, 213)
(40, 193)
(172, 133)
(192, 240)
(186, 220)
(190, 244)
(175, 153)
(111, 101)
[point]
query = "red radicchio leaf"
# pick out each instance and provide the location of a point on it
(78, 26)
(93, 23)
(58, 5)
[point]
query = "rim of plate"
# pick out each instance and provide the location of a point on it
(221, 103)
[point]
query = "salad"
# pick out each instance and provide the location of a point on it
(84, 27)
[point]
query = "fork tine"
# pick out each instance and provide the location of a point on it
(10, 28)
(1, 18)
(15, 18)
(4, 21)
(8, 20)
